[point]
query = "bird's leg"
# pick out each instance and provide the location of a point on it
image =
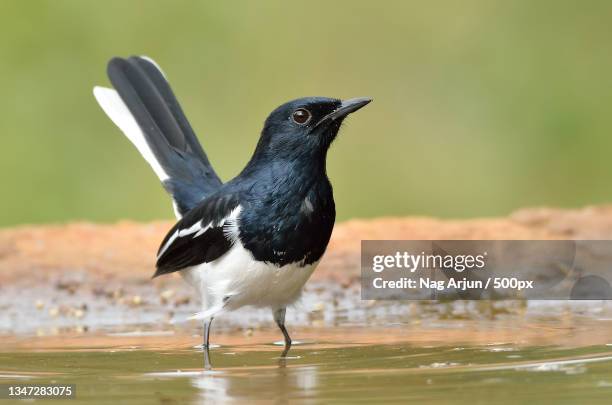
(206, 345)
(279, 317)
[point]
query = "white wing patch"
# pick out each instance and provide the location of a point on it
(229, 224)
(117, 111)
(180, 233)
(202, 230)
(193, 228)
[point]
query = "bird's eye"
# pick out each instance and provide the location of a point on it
(301, 116)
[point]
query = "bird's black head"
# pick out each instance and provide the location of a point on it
(304, 128)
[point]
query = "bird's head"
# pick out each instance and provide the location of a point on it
(304, 127)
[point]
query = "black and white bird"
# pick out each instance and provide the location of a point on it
(256, 239)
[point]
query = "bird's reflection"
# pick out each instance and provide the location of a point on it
(274, 383)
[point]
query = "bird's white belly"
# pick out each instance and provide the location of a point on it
(236, 279)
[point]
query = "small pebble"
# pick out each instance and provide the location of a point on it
(182, 301)
(166, 295)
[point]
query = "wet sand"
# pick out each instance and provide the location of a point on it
(85, 278)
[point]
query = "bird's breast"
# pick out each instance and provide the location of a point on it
(293, 228)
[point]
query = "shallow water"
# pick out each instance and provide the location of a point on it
(352, 351)
(344, 365)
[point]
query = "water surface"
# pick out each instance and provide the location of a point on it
(466, 362)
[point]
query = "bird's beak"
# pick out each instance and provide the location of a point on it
(346, 107)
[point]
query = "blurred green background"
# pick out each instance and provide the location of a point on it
(481, 107)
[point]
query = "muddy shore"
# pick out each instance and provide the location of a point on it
(80, 277)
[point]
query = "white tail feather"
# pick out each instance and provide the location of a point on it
(154, 64)
(117, 111)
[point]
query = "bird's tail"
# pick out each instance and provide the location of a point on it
(144, 107)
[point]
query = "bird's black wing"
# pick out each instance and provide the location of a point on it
(173, 143)
(206, 233)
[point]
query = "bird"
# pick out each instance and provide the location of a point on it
(256, 239)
